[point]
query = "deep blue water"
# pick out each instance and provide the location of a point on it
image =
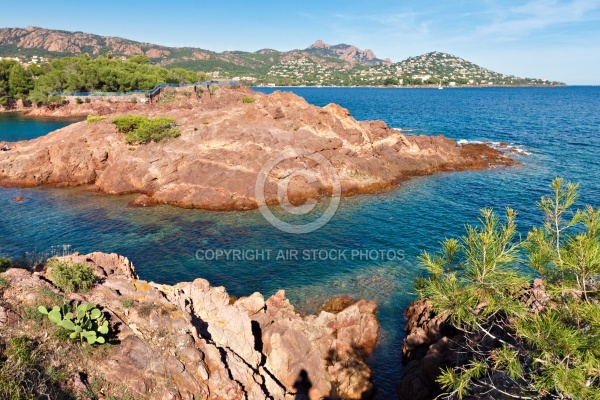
(559, 126)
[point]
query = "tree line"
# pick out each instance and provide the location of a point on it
(38, 83)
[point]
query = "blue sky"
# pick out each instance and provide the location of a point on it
(552, 39)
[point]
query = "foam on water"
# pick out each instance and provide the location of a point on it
(500, 146)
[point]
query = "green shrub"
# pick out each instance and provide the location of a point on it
(78, 101)
(5, 264)
(94, 118)
(128, 304)
(481, 282)
(3, 282)
(247, 99)
(71, 277)
(154, 130)
(56, 100)
(88, 100)
(139, 129)
(128, 123)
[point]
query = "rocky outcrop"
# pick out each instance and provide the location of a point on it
(191, 340)
(349, 53)
(225, 146)
(426, 349)
(432, 344)
(56, 41)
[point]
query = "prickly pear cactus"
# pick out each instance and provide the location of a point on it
(85, 321)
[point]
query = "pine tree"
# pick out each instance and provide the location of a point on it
(507, 350)
(20, 82)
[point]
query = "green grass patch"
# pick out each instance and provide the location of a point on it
(25, 373)
(94, 118)
(139, 129)
(5, 264)
(247, 99)
(50, 295)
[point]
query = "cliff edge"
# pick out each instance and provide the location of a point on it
(192, 340)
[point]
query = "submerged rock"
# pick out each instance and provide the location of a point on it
(187, 340)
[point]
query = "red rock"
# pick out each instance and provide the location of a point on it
(215, 166)
(194, 342)
(336, 304)
(143, 201)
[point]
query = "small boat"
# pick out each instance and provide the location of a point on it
(440, 86)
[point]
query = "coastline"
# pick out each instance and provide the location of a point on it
(190, 338)
(366, 157)
(417, 86)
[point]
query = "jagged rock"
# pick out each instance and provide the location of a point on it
(432, 344)
(224, 144)
(188, 339)
(337, 304)
(425, 350)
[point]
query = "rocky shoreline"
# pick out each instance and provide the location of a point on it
(432, 344)
(225, 142)
(192, 340)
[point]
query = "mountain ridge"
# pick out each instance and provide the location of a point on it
(319, 64)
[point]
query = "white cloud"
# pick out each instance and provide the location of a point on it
(516, 22)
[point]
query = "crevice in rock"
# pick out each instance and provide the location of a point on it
(202, 329)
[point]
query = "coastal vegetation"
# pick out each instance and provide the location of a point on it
(127, 65)
(39, 83)
(140, 129)
(5, 264)
(25, 372)
(83, 321)
(71, 277)
(94, 118)
(509, 345)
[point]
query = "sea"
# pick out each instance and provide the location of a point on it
(370, 247)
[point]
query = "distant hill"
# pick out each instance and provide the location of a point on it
(436, 67)
(319, 64)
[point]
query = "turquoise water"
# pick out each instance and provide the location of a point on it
(560, 127)
(16, 126)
